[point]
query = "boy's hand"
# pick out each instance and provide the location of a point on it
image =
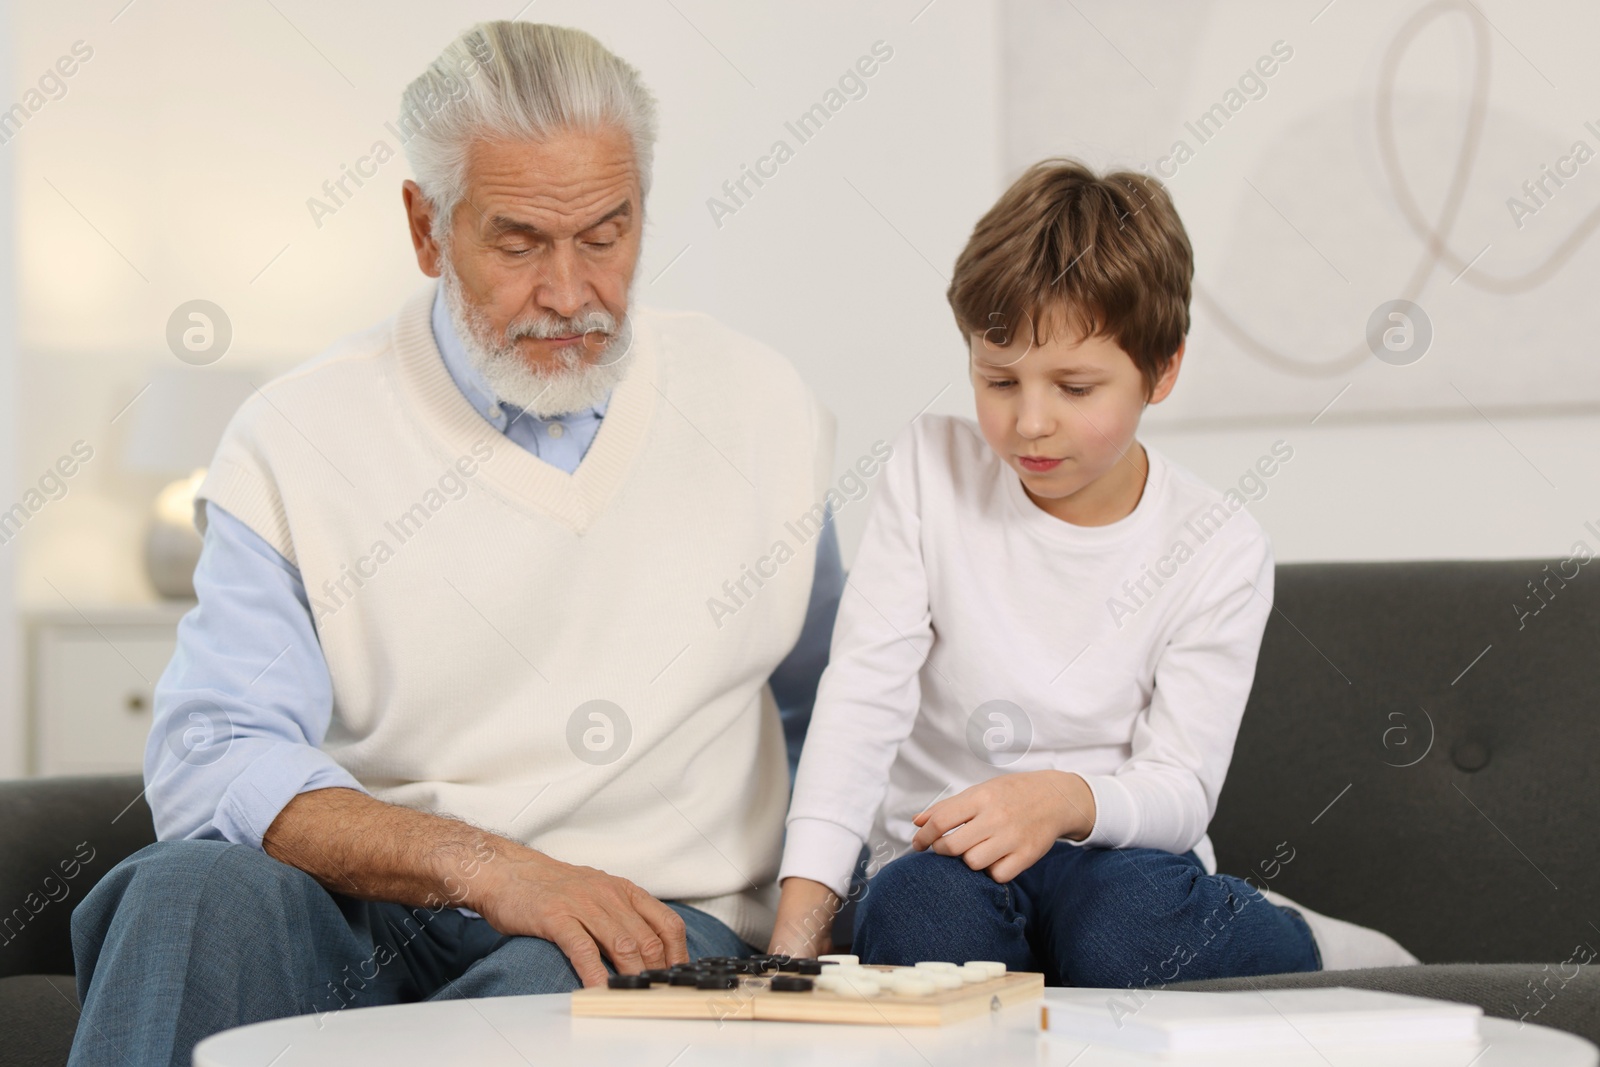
(805, 919)
(1006, 824)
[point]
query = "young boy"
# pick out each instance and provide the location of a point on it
(1048, 638)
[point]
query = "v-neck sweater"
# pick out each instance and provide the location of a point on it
(549, 655)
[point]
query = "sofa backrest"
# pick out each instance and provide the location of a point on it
(58, 837)
(1418, 755)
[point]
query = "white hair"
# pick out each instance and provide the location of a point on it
(517, 81)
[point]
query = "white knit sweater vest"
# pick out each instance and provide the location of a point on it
(536, 652)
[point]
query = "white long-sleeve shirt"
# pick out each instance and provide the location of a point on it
(979, 635)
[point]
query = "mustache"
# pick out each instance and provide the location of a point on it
(547, 326)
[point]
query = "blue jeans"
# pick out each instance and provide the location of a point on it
(186, 938)
(1096, 917)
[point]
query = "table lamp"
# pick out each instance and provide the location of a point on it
(177, 421)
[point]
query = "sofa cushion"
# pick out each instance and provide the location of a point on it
(38, 1014)
(59, 837)
(1564, 998)
(1418, 753)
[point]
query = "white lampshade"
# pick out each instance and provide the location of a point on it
(179, 418)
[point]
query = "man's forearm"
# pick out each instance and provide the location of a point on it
(354, 844)
(357, 845)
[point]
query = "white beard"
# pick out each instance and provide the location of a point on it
(579, 383)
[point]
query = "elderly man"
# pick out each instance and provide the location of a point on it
(452, 718)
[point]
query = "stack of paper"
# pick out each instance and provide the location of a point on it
(1177, 1021)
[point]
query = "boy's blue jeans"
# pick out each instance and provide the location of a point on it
(186, 938)
(1097, 917)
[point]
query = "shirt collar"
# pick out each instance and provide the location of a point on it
(471, 382)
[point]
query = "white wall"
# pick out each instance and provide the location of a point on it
(12, 742)
(1406, 489)
(180, 161)
(1482, 447)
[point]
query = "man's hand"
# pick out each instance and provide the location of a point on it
(1003, 826)
(355, 844)
(805, 919)
(587, 913)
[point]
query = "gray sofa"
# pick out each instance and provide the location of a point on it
(1386, 773)
(1453, 709)
(43, 824)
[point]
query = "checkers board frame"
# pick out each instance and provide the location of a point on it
(753, 1000)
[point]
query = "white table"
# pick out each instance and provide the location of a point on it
(539, 1031)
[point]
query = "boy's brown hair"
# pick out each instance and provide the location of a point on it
(1100, 256)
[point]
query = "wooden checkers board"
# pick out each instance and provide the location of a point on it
(754, 999)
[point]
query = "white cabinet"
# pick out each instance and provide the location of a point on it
(91, 676)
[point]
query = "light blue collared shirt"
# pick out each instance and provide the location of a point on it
(560, 441)
(249, 676)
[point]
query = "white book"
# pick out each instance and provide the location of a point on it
(1180, 1021)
